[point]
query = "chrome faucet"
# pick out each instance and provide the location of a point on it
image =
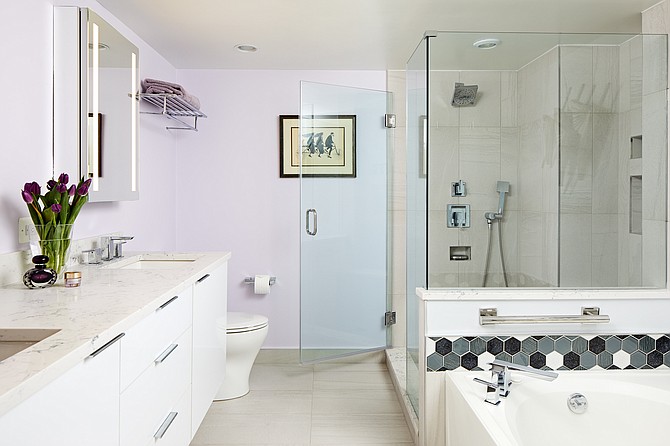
(500, 378)
(114, 246)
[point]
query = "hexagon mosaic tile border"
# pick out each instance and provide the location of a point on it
(550, 352)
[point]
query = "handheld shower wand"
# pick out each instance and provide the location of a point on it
(503, 188)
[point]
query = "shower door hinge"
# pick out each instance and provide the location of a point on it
(389, 120)
(389, 318)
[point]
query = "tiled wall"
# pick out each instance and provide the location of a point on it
(538, 169)
(599, 98)
(605, 90)
(477, 144)
(590, 92)
(510, 134)
(549, 352)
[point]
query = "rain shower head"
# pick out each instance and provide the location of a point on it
(464, 94)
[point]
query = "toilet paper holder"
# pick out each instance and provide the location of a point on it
(251, 280)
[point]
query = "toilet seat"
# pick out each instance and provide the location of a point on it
(243, 322)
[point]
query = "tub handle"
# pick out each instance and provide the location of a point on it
(590, 315)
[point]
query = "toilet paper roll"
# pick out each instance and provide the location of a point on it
(262, 284)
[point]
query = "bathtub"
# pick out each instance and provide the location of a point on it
(625, 407)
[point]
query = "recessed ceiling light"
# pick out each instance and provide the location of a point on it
(486, 44)
(246, 48)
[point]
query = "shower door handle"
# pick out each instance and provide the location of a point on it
(307, 225)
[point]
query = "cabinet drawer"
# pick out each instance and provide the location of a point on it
(175, 428)
(146, 340)
(147, 401)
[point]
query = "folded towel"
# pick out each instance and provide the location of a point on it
(164, 86)
(156, 86)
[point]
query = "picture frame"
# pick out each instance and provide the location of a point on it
(327, 146)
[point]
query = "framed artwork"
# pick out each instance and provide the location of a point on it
(327, 146)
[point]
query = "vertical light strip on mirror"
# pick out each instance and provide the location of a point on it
(93, 149)
(133, 124)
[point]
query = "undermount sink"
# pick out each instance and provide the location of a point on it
(14, 340)
(152, 261)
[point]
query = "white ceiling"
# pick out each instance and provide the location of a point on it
(346, 34)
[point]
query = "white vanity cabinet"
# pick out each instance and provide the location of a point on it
(209, 348)
(150, 385)
(81, 407)
(156, 373)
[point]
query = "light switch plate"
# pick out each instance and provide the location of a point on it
(24, 228)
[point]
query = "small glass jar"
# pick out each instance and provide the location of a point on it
(72, 279)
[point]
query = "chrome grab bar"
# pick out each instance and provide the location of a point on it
(310, 232)
(590, 315)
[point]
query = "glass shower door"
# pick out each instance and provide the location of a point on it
(343, 258)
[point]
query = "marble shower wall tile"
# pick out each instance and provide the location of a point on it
(605, 163)
(606, 86)
(604, 250)
(509, 165)
(655, 156)
(576, 259)
(479, 165)
(486, 111)
(444, 166)
(508, 99)
(576, 79)
(654, 63)
(636, 73)
(576, 162)
(654, 250)
(441, 238)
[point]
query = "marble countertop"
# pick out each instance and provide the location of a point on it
(108, 302)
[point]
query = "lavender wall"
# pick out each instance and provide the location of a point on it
(229, 194)
(25, 155)
(245, 207)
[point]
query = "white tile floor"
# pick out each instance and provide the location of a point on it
(322, 404)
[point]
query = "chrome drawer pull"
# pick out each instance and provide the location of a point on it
(167, 303)
(165, 426)
(104, 347)
(163, 356)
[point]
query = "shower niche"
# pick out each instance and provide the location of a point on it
(576, 123)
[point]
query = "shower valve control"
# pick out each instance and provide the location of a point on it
(458, 189)
(458, 215)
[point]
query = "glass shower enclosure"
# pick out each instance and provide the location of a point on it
(534, 160)
(343, 160)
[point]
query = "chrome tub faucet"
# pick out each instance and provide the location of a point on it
(500, 378)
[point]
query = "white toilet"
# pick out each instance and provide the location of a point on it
(244, 334)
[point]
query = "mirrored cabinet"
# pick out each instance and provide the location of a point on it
(96, 110)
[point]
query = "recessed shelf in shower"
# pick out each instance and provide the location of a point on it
(635, 147)
(459, 253)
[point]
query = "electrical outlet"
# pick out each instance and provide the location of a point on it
(24, 229)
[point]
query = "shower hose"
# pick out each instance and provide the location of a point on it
(488, 254)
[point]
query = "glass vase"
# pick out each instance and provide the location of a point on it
(54, 242)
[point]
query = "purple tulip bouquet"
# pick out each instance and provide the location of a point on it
(54, 214)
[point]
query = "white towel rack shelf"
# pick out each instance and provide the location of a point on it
(174, 107)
